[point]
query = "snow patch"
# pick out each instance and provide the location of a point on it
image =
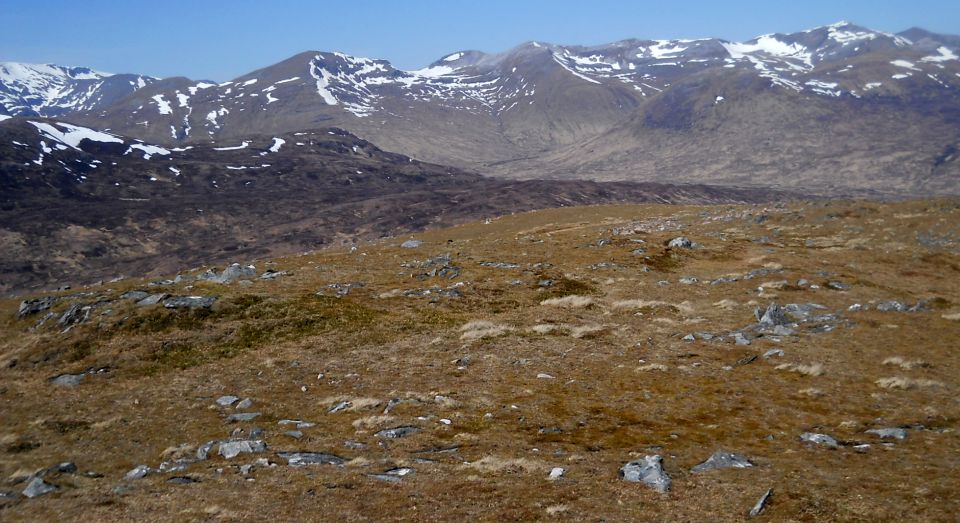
(905, 64)
(945, 55)
(277, 142)
(147, 150)
(234, 148)
(453, 57)
(162, 105)
(72, 135)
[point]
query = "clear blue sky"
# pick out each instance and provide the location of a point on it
(219, 40)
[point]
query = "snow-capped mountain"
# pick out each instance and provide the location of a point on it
(52, 90)
(767, 111)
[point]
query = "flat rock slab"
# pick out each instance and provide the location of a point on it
(138, 472)
(152, 299)
(411, 244)
(189, 302)
(722, 460)
(242, 416)
(761, 504)
(648, 471)
(38, 487)
(895, 433)
(300, 459)
(226, 401)
(394, 475)
(819, 439)
(232, 449)
(68, 380)
(28, 307)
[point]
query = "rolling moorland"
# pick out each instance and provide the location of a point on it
(510, 370)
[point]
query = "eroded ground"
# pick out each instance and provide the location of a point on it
(572, 338)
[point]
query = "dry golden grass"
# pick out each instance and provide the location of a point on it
(468, 373)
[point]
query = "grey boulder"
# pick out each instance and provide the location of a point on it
(300, 459)
(232, 449)
(648, 471)
(38, 487)
(189, 302)
(722, 460)
(895, 433)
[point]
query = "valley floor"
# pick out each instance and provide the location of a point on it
(564, 343)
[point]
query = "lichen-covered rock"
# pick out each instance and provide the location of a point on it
(648, 471)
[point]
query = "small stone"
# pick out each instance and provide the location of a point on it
(226, 401)
(394, 475)
(722, 460)
(246, 469)
(761, 504)
(204, 450)
(411, 244)
(242, 416)
(339, 407)
(295, 434)
(355, 445)
(773, 352)
(689, 337)
(544, 376)
(182, 480)
(245, 404)
(398, 432)
(819, 439)
(134, 295)
(838, 286)
(232, 449)
(740, 339)
(649, 471)
(67, 467)
(38, 487)
(556, 473)
(895, 433)
(138, 472)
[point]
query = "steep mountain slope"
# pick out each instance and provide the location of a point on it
(78, 204)
(523, 113)
(51, 90)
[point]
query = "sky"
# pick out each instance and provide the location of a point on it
(220, 40)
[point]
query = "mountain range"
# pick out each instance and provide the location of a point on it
(835, 108)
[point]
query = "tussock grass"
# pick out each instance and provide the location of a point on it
(904, 383)
(494, 464)
(480, 329)
(904, 363)
(569, 302)
(814, 369)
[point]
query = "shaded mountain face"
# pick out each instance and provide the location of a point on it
(633, 110)
(78, 204)
(51, 90)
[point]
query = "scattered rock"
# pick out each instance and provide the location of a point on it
(67, 467)
(556, 473)
(189, 302)
(226, 401)
(295, 434)
(838, 286)
(138, 472)
(394, 475)
(234, 272)
(398, 432)
(722, 460)
(245, 404)
(232, 449)
(680, 242)
(761, 504)
(68, 380)
(339, 407)
(895, 433)
(500, 265)
(773, 316)
(411, 244)
(300, 459)
(773, 352)
(38, 487)
(182, 480)
(134, 295)
(649, 471)
(819, 439)
(271, 274)
(77, 313)
(204, 450)
(152, 299)
(28, 307)
(242, 416)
